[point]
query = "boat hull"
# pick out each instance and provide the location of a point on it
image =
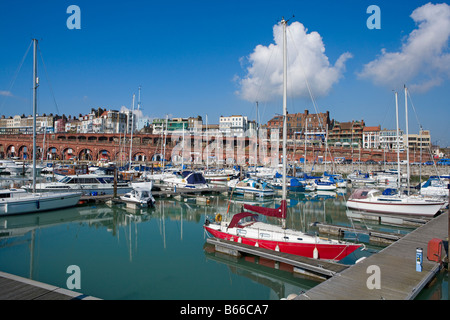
(403, 208)
(31, 203)
(85, 190)
(137, 203)
(326, 187)
(324, 251)
(258, 193)
(217, 178)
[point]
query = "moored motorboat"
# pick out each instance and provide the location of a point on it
(216, 175)
(325, 185)
(139, 196)
(70, 169)
(88, 184)
(251, 186)
(186, 179)
(12, 167)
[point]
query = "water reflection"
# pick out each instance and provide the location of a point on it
(279, 277)
(158, 253)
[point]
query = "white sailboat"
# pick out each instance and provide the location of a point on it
(13, 201)
(373, 200)
(358, 177)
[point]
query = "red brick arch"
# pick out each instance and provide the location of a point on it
(148, 145)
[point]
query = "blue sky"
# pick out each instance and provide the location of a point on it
(201, 57)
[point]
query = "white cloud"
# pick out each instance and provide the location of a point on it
(423, 59)
(138, 113)
(306, 61)
(6, 93)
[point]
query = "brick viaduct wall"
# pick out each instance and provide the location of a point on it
(96, 146)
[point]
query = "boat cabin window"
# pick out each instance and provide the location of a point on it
(105, 179)
(264, 235)
(83, 180)
(241, 232)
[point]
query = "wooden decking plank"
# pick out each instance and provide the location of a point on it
(13, 287)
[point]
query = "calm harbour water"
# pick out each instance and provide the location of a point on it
(161, 253)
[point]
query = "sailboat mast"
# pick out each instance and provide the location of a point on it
(398, 142)
(283, 204)
(35, 85)
(182, 152)
(207, 145)
(165, 136)
(284, 106)
(257, 134)
(407, 139)
(132, 129)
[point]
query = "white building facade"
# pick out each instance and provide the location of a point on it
(235, 125)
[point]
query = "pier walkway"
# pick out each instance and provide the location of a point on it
(17, 288)
(399, 279)
(166, 192)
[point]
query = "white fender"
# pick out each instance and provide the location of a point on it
(316, 253)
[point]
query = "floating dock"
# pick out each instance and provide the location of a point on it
(172, 192)
(378, 237)
(181, 191)
(17, 288)
(308, 266)
(388, 219)
(398, 278)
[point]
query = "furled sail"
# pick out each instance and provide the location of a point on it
(279, 212)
